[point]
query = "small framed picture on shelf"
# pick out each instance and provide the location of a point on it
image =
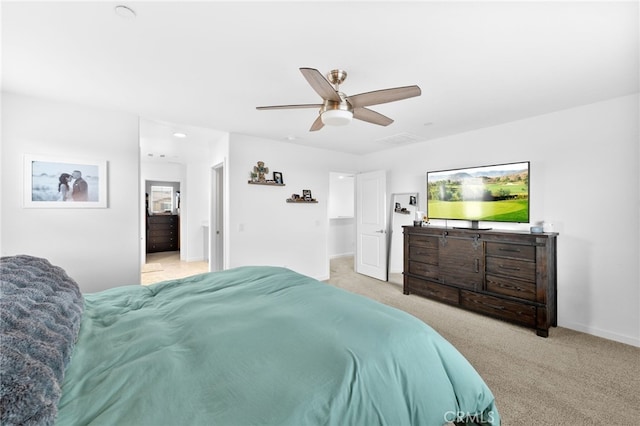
(277, 177)
(306, 194)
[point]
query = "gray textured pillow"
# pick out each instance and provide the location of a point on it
(40, 313)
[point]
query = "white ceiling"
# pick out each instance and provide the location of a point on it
(209, 64)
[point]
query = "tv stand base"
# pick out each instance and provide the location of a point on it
(475, 226)
(472, 228)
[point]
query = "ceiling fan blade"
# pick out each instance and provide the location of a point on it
(320, 84)
(290, 106)
(383, 96)
(370, 116)
(317, 125)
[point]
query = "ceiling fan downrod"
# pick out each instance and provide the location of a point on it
(336, 77)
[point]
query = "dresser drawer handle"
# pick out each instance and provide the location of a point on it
(500, 308)
(509, 268)
(510, 287)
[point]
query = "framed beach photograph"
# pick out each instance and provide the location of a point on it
(64, 183)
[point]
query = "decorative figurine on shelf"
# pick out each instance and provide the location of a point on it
(261, 170)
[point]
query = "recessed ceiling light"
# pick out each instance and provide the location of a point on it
(180, 135)
(125, 12)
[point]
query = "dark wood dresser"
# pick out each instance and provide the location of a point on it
(163, 233)
(508, 275)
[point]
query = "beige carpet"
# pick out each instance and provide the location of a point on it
(569, 378)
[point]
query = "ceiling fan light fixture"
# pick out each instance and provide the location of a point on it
(337, 117)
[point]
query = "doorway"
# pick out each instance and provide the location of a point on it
(215, 238)
(341, 208)
(162, 210)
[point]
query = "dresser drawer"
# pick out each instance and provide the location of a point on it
(519, 269)
(433, 290)
(494, 306)
(162, 246)
(510, 287)
(162, 232)
(423, 241)
(166, 225)
(163, 219)
(156, 240)
(514, 251)
(426, 270)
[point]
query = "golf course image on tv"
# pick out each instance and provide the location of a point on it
(496, 193)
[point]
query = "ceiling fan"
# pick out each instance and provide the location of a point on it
(339, 109)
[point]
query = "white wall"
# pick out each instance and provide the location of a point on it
(584, 179)
(398, 220)
(263, 228)
(97, 247)
(196, 200)
(342, 237)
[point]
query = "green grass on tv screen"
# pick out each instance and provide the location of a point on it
(498, 211)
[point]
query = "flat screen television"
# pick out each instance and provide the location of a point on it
(495, 193)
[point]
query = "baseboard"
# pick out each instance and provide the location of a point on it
(336, 256)
(628, 340)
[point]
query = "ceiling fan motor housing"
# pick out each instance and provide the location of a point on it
(336, 113)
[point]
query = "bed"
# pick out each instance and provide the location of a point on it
(252, 345)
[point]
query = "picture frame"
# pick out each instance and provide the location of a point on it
(277, 178)
(45, 178)
(412, 200)
(306, 194)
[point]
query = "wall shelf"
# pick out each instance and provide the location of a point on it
(301, 201)
(265, 183)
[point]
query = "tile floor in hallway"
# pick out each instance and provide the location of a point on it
(167, 265)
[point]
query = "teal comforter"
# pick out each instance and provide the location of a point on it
(262, 346)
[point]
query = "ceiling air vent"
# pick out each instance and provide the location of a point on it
(400, 139)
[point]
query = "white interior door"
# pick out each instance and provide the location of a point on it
(371, 224)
